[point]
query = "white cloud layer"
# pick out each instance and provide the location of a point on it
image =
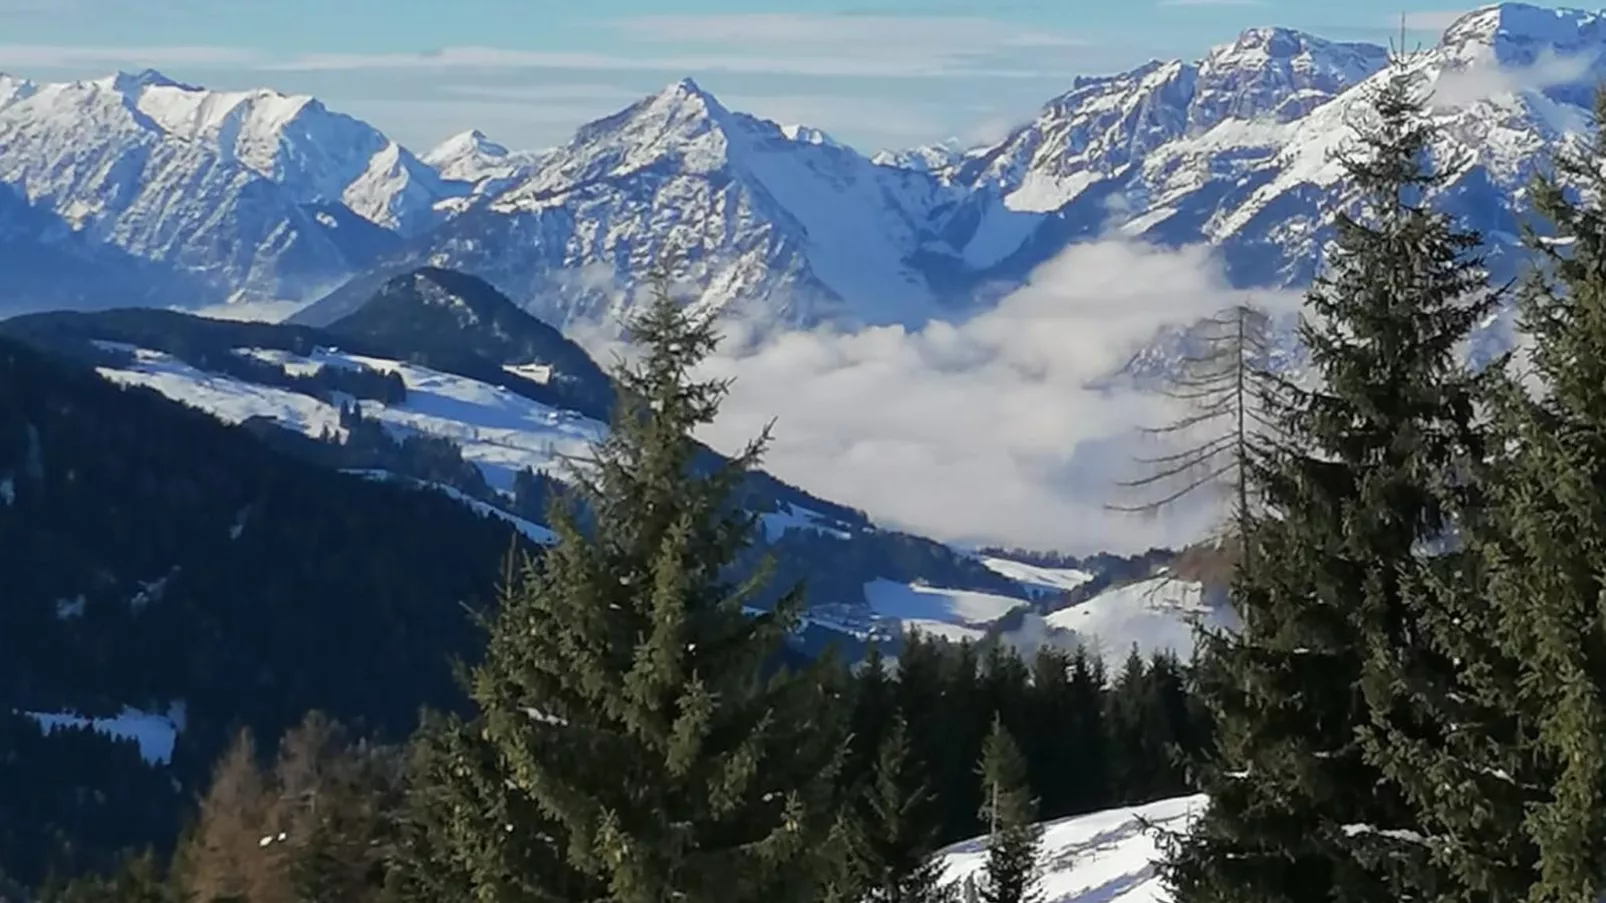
(985, 431)
(1487, 80)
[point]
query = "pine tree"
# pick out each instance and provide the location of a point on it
(622, 689)
(892, 829)
(1437, 687)
(1088, 734)
(1335, 660)
(874, 707)
(1545, 546)
(465, 834)
(1011, 813)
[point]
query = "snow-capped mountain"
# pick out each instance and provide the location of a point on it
(318, 155)
(474, 159)
(1237, 149)
(50, 266)
(89, 152)
(926, 158)
(774, 226)
(269, 195)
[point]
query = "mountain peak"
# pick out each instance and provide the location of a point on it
(127, 82)
(438, 314)
(686, 96)
(1516, 31)
(472, 143)
(1264, 45)
(808, 134)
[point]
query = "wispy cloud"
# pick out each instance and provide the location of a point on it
(492, 58)
(951, 33)
(68, 56)
(1460, 87)
(844, 45)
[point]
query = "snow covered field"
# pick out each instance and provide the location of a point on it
(954, 614)
(1106, 857)
(1157, 615)
(500, 431)
(1038, 581)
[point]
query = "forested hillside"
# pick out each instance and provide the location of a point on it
(155, 557)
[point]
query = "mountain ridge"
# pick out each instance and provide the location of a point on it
(785, 227)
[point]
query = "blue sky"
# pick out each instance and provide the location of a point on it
(875, 73)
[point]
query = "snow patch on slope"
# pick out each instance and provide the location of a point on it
(1157, 615)
(1038, 581)
(156, 734)
(534, 531)
(499, 431)
(1107, 857)
(954, 614)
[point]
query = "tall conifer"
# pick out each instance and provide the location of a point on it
(624, 686)
(1334, 660)
(892, 830)
(1547, 545)
(1011, 813)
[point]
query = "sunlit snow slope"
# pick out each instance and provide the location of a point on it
(1107, 857)
(498, 430)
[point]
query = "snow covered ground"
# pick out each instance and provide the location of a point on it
(500, 431)
(955, 614)
(1106, 857)
(1157, 615)
(154, 733)
(1038, 581)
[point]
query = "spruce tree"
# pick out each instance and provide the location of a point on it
(892, 829)
(623, 687)
(1010, 811)
(1335, 660)
(464, 833)
(1437, 687)
(1546, 545)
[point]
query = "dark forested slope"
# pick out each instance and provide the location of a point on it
(152, 556)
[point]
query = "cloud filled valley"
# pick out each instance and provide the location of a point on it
(994, 429)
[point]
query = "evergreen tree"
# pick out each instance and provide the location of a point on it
(874, 708)
(1545, 547)
(892, 829)
(1407, 293)
(1330, 690)
(465, 834)
(623, 689)
(138, 879)
(1011, 813)
(1088, 734)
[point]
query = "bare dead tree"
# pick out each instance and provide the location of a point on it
(1225, 387)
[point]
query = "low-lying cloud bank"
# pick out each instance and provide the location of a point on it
(987, 431)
